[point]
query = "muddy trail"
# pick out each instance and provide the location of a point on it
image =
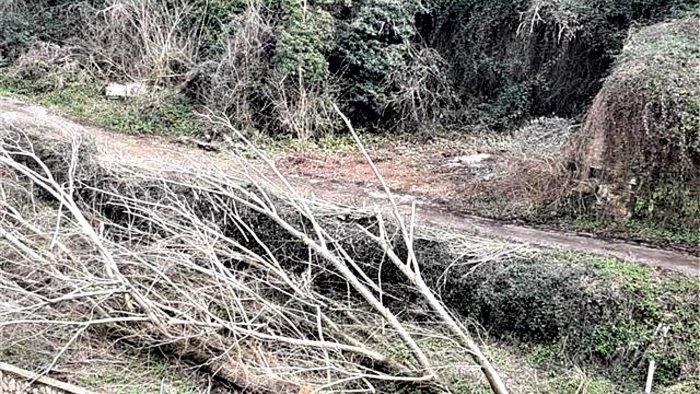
(337, 180)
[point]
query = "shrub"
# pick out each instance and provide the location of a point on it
(515, 59)
(419, 92)
(212, 19)
(605, 312)
(145, 40)
(301, 87)
(304, 41)
(389, 64)
(15, 35)
(234, 81)
(44, 67)
(22, 23)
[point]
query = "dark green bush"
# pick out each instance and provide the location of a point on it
(605, 312)
(553, 53)
(305, 41)
(212, 19)
(492, 63)
(373, 43)
(16, 34)
(24, 23)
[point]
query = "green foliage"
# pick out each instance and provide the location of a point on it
(528, 57)
(15, 35)
(491, 63)
(373, 43)
(212, 20)
(305, 41)
(584, 385)
(165, 115)
(547, 353)
(670, 204)
(172, 116)
(596, 311)
(31, 21)
(646, 119)
(328, 143)
(680, 232)
(42, 68)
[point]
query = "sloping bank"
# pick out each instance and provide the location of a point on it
(604, 314)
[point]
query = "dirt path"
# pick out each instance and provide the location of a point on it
(343, 178)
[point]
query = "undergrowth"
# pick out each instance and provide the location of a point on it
(638, 230)
(140, 375)
(600, 313)
(640, 147)
(166, 115)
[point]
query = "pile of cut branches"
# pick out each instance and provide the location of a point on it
(238, 272)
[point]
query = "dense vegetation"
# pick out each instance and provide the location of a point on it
(625, 68)
(606, 318)
(276, 66)
(642, 130)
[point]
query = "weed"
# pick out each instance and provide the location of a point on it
(545, 354)
(580, 384)
(103, 379)
(637, 229)
(164, 115)
(140, 378)
(329, 143)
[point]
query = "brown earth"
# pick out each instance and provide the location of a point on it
(428, 175)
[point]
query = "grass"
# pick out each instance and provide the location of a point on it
(329, 143)
(166, 117)
(140, 377)
(640, 230)
(163, 114)
(94, 363)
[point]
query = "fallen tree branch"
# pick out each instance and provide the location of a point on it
(35, 377)
(411, 270)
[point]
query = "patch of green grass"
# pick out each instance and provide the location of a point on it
(332, 143)
(102, 379)
(464, 387)
(579, 385)
(159, 115)
(643, 230)
(5, 91)
(545, 354)
(143, 378)
(170, 116)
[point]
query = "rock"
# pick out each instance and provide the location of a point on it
(475, 161)
(125, 90)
